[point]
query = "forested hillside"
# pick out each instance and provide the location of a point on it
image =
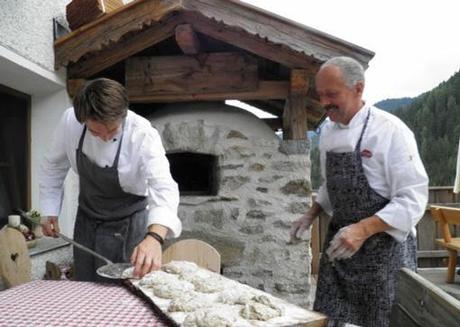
(392, 104)
(434, 117)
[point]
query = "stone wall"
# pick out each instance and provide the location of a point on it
(261, 190)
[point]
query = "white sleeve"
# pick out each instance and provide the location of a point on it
(408, 183)
(163, 192)
(53, 171)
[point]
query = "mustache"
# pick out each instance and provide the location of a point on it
(330, 106)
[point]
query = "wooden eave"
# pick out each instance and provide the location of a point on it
(255, 30)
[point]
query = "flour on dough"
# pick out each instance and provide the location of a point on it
(180, 267)
(157, 277)
(235, 295)
(207, 285)
(127, 273)
(190, 302)
(172, 290)
(260, 308)
(211, 317)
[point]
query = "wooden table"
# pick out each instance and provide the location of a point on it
(66, 303)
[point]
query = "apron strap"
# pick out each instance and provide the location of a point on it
(117, 156)
(358, 145)
(82, 137)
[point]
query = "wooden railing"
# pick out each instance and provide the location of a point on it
(428, 253)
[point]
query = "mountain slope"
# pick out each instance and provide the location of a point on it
(392, 104)
(434, 117)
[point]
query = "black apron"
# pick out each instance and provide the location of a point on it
(359, 290)
(109, 220)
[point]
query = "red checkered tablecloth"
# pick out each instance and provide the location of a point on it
(66, 303)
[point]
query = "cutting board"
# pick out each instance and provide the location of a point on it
(15, 265)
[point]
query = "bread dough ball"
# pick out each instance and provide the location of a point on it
(180, 267)
(236, 295)
(208, 285)
(212, 317)
(260, 308)
(127, 273)
(172, 290)
(190, 302)
(157, 277)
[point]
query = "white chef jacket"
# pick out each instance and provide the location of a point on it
(143, 168)
(392, 166)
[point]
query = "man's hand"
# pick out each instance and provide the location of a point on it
(299, 226)
(147, 254)
(146, 257)
(346, 242)
(349, 239)
(50, 226)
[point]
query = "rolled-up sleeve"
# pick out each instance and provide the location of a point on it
(162, 190)
(408, 183)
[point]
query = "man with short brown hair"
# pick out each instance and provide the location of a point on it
(128, 200)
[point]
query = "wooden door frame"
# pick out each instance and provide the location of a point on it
(28, 99)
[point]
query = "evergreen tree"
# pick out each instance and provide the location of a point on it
(434, 117)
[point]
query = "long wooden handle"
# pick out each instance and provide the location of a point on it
(68, 239)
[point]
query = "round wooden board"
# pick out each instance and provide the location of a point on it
(15, 266)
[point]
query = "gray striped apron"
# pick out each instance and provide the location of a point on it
(109, 220)
(359, 290)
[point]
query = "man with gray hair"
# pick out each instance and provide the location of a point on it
(375, 189)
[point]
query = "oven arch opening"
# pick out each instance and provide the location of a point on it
(195, 173)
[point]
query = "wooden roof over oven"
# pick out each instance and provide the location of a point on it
(206, 50)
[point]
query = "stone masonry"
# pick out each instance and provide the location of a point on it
(261, 191)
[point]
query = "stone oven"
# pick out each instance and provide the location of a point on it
(239, 192)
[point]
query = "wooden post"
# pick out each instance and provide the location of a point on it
(295, 113)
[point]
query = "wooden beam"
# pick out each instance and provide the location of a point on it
(81, 12)
(123, 49)
(74, 85)
(304, 41)
(419, 302)
(110, 28)
(295, 113)
(266, 90)
(249, 42)
(180, 75)
(187, 39)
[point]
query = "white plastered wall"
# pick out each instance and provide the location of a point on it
(27, 65)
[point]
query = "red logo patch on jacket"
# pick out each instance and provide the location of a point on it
(366, 153)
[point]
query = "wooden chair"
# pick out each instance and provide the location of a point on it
(15, 263)
(199, 252)
(448, 216)
(419, 303)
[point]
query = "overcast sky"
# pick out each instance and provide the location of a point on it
(417, 43)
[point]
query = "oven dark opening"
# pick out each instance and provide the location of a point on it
(195, 173)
